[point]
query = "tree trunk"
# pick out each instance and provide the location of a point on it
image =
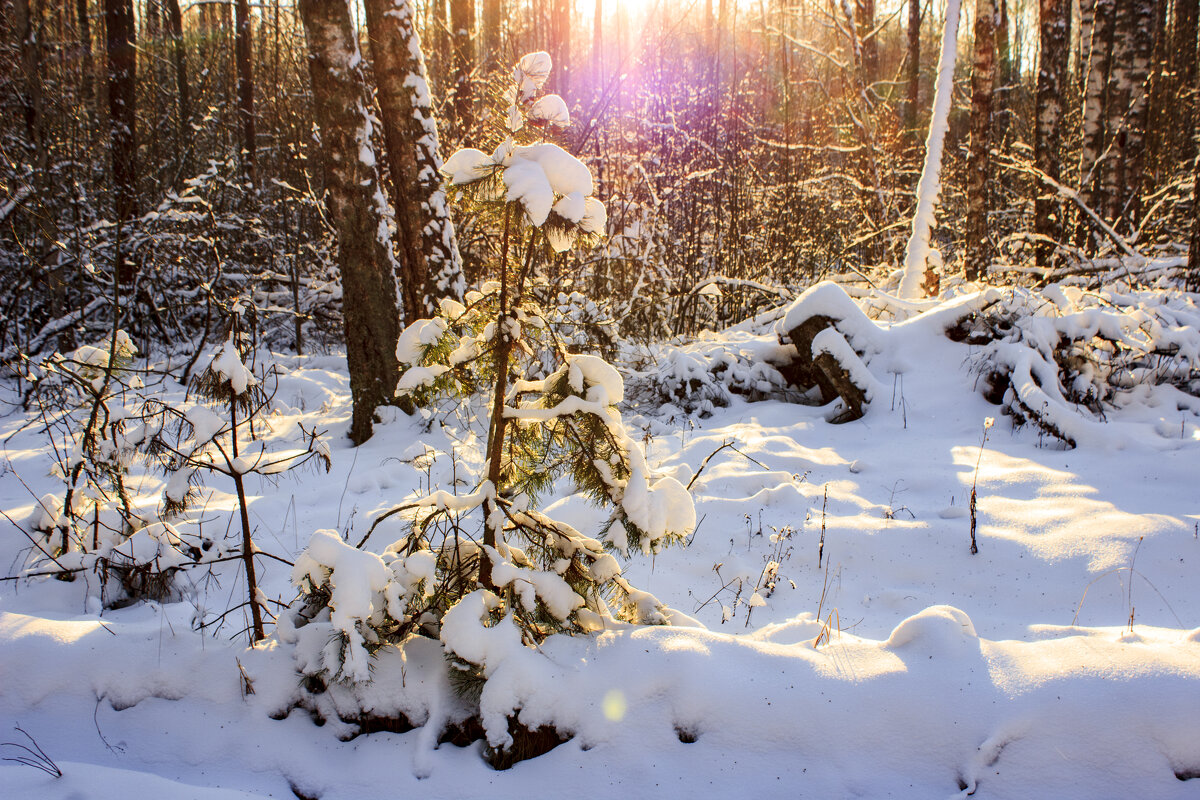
(175, 24)
(1135, 136)
(1099, 50)
(122, 112)
(245, 86)
(1112, 177)
(1193, 273)
(983, 76)
(369, 312)
(914, 65)
(1183, 51)
(32, 98)
(598, 43)
(85, 40)
(493, 21)
(1004, 75)
(560, 46)
(1054, 20)
(428, 266)
(438, 26)
(462, 26)
(864, 17)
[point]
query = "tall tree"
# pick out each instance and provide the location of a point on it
(864, 17)
(914, 64)
(369, 311)
(493, 21)
(1095, 95)
(32, 99)
(1134, 152)
(983, 78)
(1112, 173)
(1183, 65)
(179, 56)
(428, 266)
(245, 85)
(1004, 75)
(1054, 21)
(462, 27)
(85, 41)
(122, 106)
(560, 45)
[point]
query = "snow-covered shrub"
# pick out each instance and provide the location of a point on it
(94, 404)
(92, 412)
(1051, 353)
(194, 441)
(488, 567)
(704, 375)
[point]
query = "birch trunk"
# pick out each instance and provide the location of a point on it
(1054, 20)
(983, 76)
(428, 264)
(1135, 138)
(1112, 173)
(1099, 51)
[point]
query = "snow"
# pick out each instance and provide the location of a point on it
(531, 73)
(550, 109)
(565, 172)
(1062, 660)
(467, 165)
(527, 183)
(417, 336)
(227, 363)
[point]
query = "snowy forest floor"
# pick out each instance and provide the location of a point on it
(1061, 660)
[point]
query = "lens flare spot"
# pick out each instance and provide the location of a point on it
(614, 705)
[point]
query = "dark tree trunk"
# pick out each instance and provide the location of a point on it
(428, 264)
(1004, 76)
(369, 311)
(122, 111)
(983, 77)
(1183, 63)
(438, 27)
(1112, 173)
(1054, 20)
(179, 56)
(864, 17)
(914, 65)
(1193, 274)
(85, 41)
(245, 86)
(32, 99)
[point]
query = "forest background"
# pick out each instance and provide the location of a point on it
(161, 159)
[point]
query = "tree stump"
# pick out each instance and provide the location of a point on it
(826, 370)
(852, 395)
(806, 372)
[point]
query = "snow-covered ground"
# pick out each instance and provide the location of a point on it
(1063, 660)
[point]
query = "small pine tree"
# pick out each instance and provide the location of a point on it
(490, 558)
